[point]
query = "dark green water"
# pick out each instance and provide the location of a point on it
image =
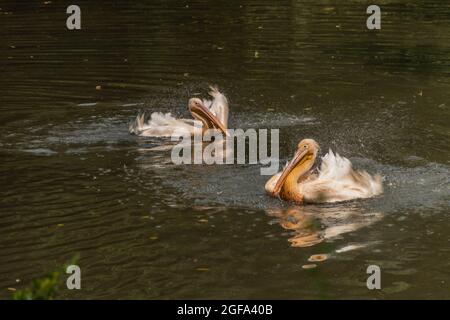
(74, 180)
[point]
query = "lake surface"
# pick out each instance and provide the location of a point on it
(74, 181)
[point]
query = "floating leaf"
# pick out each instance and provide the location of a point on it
(202, 269)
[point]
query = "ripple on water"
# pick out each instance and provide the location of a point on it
(41, 151)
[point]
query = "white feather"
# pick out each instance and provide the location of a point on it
(162, 125)
(337, 181)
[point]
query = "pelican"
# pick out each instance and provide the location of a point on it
(211, 114)
(335, 181)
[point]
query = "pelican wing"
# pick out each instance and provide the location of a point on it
(161, 125)
(219, 105)
(337, 181)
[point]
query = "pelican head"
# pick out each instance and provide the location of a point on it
(300, 165)
(201, 112)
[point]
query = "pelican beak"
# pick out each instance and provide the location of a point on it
(298, 157)
(201, 112)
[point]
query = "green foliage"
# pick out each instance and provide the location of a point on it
(40, 289)
(44, 288)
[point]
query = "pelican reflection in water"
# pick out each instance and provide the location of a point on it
(212, 114)
(335, 181)
(311, 225)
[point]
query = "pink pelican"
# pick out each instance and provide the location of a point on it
(211, 114)
(334, 181)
